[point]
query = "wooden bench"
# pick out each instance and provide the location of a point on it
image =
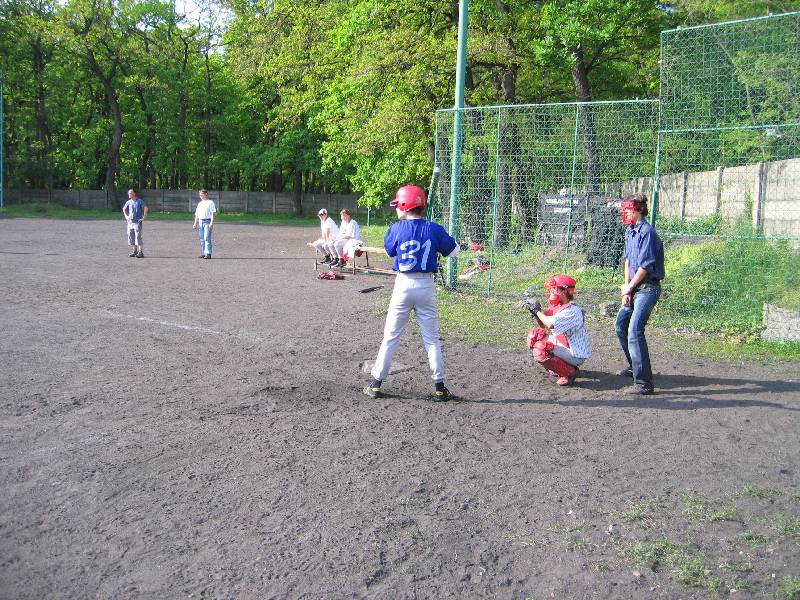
(352, 264)
(364, 252)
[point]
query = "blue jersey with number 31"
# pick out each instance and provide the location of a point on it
(415, 243)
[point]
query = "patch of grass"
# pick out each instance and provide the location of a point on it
(579, 544)
(688, 567)
(786, 525)
(741, 585)
(598, 566)
(755, 491)
(56, 211)
(641, 512)
(530, 541)
(750, 539)
(735, 347)
(795, 495)
(736, 566)
(788, 588)
(698, 509)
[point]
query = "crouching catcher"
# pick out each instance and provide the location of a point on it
(562, 343)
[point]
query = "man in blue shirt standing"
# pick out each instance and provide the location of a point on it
(134, 212)
(644, 271)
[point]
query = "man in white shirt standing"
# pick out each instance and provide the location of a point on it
(343, 246)
(204, 223)
(329, 231)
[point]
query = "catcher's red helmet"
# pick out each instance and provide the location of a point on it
(563, 281)
(408, 197)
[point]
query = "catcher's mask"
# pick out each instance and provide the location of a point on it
(408, 197)
(631, 204)
(558, 283)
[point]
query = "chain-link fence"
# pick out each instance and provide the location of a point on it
(538, 183)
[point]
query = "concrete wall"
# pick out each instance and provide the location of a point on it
(781, 324)
(770, 190)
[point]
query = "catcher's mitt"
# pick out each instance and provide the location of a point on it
(330, 275)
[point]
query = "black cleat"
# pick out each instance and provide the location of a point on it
(372, 392)
(442, 395)
(140, 255)
(625, 372)
(132, 254)
(326, 261)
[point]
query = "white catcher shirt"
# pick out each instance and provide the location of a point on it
(351, 229)
(329, 225)
(569, 321)
(204, 210)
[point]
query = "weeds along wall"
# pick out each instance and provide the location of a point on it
(718, 155)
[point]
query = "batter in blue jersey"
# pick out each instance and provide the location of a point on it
(415, 244)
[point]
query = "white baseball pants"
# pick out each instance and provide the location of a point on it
(415, 291)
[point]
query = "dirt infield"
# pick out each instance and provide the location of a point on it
(181, 428)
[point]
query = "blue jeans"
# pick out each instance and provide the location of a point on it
(630, 332)
(204, 233)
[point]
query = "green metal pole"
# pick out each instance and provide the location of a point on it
(568, 233)
(657, 174)
(494, 204)
(455, 177)
(2, 141)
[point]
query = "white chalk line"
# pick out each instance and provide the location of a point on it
(182, 326)
(177, 325)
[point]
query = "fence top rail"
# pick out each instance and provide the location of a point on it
(734, 22)
(533, 105)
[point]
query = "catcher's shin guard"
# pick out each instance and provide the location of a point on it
(543, 352)
(535, 335)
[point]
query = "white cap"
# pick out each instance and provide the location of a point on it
(322, 211)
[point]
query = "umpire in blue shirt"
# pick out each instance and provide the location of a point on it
(644, 271)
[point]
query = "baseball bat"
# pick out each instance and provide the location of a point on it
(371, 289)
(434, 183)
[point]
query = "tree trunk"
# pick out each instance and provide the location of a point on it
(297, 193)
(580, 78)
(116, 136)
(42, 124)
(207, 131)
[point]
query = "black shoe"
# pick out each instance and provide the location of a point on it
(625, 372)
(442, 394)
(208, 257)
(132, 254)
(202, 256)
(372, 392)
(337, 262)
(639, 390)
(326, 261)
(140, 255)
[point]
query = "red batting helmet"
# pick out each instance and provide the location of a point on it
(408, 197)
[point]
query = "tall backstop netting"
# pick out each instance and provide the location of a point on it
(729, 171)
(717, 155)
(538, 185)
